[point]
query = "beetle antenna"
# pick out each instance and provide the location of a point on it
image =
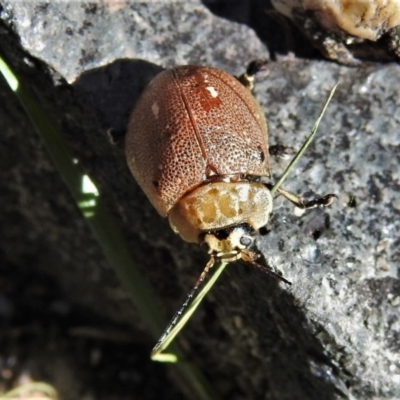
(269, 271)
(250, 257)
(305, 144)
(189, 297)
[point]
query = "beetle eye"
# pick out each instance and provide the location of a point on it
(205, 247)
(245, 241)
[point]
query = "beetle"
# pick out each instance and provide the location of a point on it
(197, 144)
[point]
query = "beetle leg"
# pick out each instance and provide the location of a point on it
(300, 203)
(256, 66)
(281, 151)
(116, 136)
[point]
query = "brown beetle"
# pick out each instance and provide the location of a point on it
(197, 145)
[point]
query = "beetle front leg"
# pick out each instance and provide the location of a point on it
(300, 203)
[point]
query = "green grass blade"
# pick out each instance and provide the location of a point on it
(305, 144)
(32, 390)
(159, 355)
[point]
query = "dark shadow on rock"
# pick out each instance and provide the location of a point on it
(295, 363)
(114, 89)
(284, 37)
(276, 31)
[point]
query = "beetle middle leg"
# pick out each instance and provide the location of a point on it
(255, 66)
(300, 203)
(281, 151)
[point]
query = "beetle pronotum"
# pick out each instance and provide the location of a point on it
(197, 144)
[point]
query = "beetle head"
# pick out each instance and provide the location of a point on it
(228, 244)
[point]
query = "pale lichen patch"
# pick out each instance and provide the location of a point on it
(212, 91)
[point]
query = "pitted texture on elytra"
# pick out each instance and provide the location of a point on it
(220, 205)
(189, 124)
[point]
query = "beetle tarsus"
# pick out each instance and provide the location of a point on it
(321, 201)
